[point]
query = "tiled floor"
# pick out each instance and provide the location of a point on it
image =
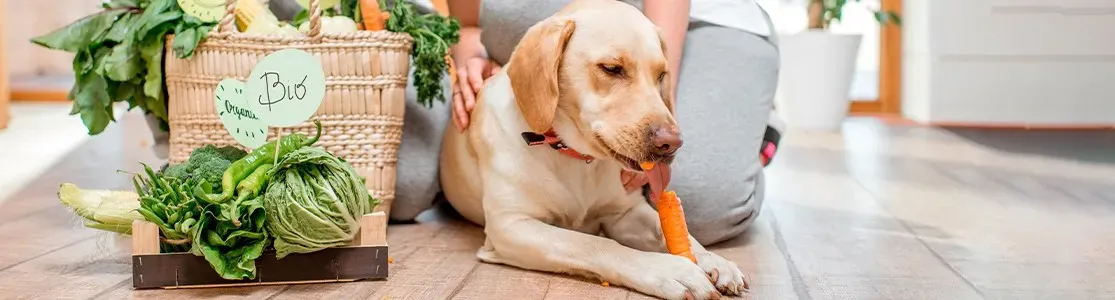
(877, 212)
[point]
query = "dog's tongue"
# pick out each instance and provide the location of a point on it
(659, 177)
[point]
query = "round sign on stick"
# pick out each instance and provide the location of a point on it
(237, 115)
(204, 10)
(286, 87)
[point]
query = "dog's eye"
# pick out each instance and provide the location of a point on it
(613, 70)
(661, 77)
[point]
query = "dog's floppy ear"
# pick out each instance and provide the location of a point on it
(665, 87)
(533, 70)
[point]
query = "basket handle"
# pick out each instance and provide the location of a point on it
(230, 11)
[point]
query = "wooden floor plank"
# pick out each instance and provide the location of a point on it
(52, 231)
(76, 271)
(871, 213)
(352, 290)
(415, 279)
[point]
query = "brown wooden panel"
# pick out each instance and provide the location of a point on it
(890, 69)
(179, 270)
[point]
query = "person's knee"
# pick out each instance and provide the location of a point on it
(728, 213)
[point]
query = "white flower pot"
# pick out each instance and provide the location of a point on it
(816, 78)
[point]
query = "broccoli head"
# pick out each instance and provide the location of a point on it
(176, 171)
(211, 171)
(231, 153)
(209, 163)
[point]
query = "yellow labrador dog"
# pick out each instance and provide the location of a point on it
(593, 75)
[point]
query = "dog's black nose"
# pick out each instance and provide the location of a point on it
(666, 140)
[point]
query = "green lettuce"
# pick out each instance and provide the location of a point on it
(314, 201)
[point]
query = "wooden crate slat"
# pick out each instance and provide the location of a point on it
(365, 260)
(328, 265)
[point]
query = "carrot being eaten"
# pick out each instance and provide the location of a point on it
(672, 217)
(674, 230)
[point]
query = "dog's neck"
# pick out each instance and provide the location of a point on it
(552, 139)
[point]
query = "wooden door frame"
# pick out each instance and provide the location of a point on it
(889, 101)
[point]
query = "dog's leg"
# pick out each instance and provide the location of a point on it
(639, 228)
(528, 243)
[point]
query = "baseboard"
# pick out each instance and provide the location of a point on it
(897, 119)
(52, 88)
(1022, 126)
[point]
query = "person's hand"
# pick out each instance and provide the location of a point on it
(471, 74)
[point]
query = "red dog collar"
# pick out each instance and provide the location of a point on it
(551, 138)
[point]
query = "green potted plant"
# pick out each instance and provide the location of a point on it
(818, 66)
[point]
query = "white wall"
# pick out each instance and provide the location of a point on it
(25, 19)
(1038, 62)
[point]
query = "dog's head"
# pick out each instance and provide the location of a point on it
(596, 73)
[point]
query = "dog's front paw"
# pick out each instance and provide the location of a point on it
(724, 274)
(672, 277)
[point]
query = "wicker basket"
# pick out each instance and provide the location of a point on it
(362, 113)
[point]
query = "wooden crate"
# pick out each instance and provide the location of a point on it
(365, 259)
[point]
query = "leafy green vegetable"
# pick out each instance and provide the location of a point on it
(433, 35)
(206, 164)
(176, 171)
(168, 202)
(314, 201)
(119, 56)
(230, 235)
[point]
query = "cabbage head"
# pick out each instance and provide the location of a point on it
(314, 201)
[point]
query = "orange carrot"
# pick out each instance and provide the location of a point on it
(674, 230)
(369, 11)
(647, 165)
(605, 283)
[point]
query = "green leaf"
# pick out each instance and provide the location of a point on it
(433, 35)
(351, 9)
(124, 91)
(91, 101)
(182, 41)
(122, 30)
(81, 33)
(123, 64)
(153, 54)
(230, 249)
(83, 62)
(884, 17)
(894, 18)
(155, 22)
(301, 17)
(186, 41)
(121, 4)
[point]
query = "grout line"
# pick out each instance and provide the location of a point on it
(796, 280)
(46, 253)
(114, 287)
(906, 226)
